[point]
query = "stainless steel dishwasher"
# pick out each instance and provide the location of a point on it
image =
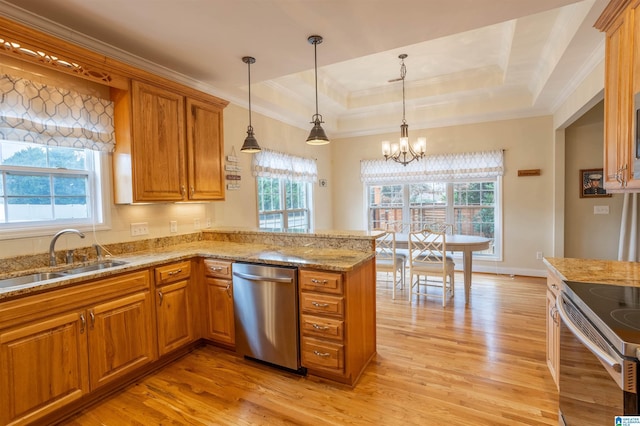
(265, 300)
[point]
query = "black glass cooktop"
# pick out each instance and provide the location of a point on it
(612, 307)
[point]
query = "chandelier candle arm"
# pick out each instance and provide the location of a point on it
(250, 144)
(403, 152)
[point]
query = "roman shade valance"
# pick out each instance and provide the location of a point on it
(37, 113)
(435, 168)
(267, 163)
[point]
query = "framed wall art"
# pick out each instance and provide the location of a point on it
(591, 184)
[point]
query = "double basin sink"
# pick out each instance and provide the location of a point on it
(44, 276)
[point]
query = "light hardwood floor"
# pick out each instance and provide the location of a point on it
(482, 364)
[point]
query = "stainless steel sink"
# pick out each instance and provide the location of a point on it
(30, 279)
(94, 267)
(43, 276)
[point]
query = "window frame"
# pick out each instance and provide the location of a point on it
(98, 194)
(449, 208)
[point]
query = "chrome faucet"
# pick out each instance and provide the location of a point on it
(52, 253)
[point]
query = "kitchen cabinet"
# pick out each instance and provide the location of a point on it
(59, 346)
(173, 306)
(169, 146)
(553, 325)
(621, 23)
(220, 317)
(337, 321)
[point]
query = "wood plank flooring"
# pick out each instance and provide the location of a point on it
(482, 364)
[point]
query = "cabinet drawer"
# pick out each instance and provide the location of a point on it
(174, 272)
(318, 303)
(324, 282)
(320, 354)
(217, 268)
(322, 327)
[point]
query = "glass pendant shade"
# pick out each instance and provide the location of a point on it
(317, 136)
(250, 144)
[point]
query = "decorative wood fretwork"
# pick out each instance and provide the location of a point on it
(37, 55)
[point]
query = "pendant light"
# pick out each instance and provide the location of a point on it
(403, 152)
(250, 144)
(317, 135)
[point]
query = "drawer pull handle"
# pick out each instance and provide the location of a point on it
(215, 268)
(172, 273)
(319, 327)
(553, 286)
(320, 305)
(317, 281)
(321, 354)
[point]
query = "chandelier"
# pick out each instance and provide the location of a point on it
(402, 152)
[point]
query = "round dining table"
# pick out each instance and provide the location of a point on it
(467, 244)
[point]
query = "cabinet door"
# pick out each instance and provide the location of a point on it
(175, 327)
(43, 366)
(120, 338)
(616, 99)
(220, 315)
(553, 336)
(205, 151)
(158, 148)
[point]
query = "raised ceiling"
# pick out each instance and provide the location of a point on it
(469, 60)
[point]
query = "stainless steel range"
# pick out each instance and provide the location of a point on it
(599, 342)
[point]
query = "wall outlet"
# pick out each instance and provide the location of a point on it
(208, 222)
(539, 255)
(196, 224)
(173, 226)
(140, 228)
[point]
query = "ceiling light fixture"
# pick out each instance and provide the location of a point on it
(250, 144)
(403, 152)
(317, 135)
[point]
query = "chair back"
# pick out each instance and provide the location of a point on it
(428, 249)
(439, 227)
(386, 246)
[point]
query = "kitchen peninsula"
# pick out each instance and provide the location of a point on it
(170, 296)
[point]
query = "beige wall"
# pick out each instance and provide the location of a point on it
(527, 201)
(588, 235)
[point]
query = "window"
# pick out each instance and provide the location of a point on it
(283, 205)
(460, 189)
(51, 161)
(471, 207)
(284, 191)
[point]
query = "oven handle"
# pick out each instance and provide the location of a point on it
(604, 357)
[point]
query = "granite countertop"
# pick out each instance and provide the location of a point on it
(334, 259)
(596, 271)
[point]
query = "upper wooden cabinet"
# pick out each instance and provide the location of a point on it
(621, 22)
(169, 147)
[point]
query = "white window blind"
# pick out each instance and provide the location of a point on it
(267, 163)
(435, 168)
(36, 113)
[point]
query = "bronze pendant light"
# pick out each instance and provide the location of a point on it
(250, 144)
(317, 135)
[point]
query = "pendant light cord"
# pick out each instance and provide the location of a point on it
(249, 73)
(315, 60)
(403, 73)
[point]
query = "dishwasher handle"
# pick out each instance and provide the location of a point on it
(251, 277)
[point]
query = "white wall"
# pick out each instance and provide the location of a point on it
(588, 235)
(527, 201)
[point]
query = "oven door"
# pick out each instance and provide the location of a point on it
(596, 383)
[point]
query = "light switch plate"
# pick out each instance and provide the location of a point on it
(173, 225)
(600, 209)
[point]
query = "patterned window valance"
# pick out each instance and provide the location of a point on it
(37, 113)
(434, 168)
(268, 163)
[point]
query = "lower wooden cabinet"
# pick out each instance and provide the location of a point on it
(220, 317)
(173, 306)
(43, 366)
(338, 321)
(57, 347)
(553, 325)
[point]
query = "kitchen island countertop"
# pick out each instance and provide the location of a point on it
(596, 271)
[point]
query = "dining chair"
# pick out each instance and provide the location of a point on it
(428, 259)
(389, 260)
